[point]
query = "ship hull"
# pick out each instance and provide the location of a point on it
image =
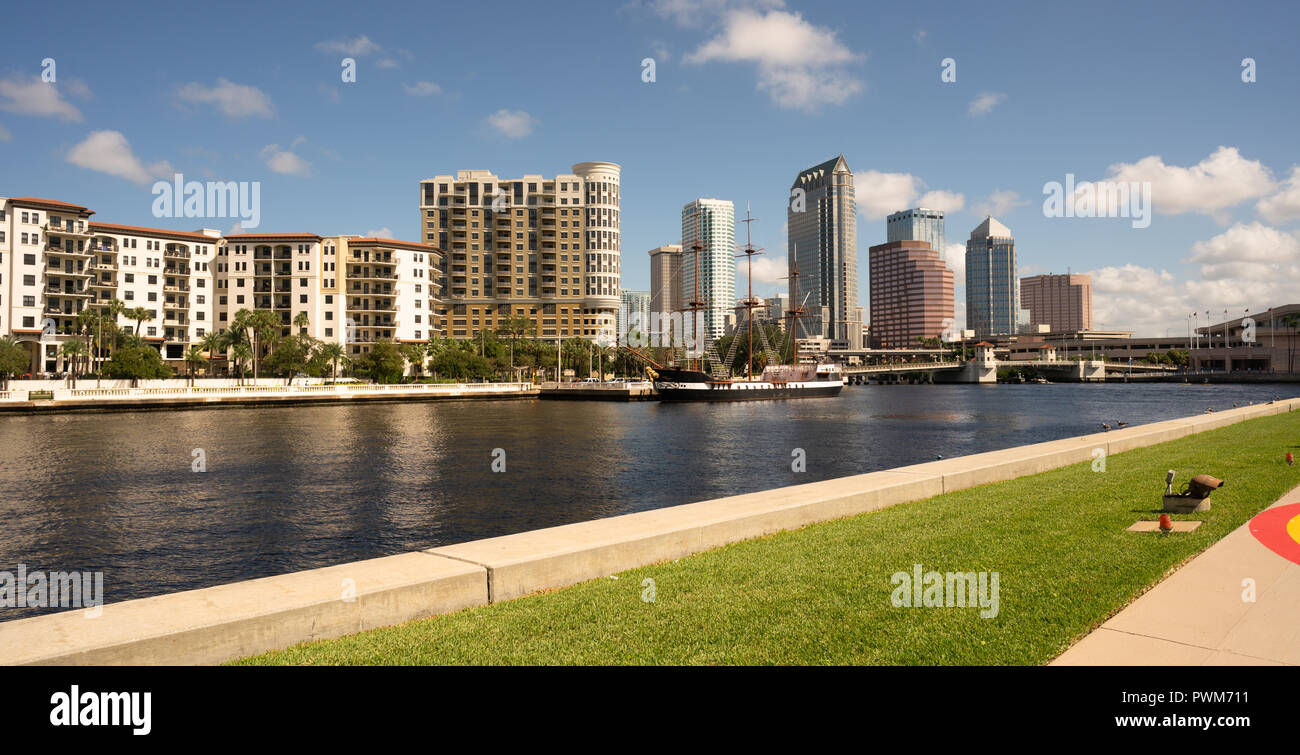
(756, 391)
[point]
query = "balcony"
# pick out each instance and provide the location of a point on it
(68, 229)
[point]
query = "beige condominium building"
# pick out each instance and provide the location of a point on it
(547, 249)
(55, 262)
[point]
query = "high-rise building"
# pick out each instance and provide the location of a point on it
(545, 249)
(665, 289)
(911, 294)
(634, 315)
(711, 222)
(992, 288)
(823, 242)
(919, 224)
(1062, 302)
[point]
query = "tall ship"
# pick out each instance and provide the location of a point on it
(708, 376)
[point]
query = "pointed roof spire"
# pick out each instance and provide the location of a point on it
(991, 228)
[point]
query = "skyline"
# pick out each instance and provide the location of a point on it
(803, 82)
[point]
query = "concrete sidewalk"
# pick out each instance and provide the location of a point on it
(1199, 616)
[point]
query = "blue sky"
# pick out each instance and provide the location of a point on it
(746, 94)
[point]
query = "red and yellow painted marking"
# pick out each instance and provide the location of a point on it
(1278, 529)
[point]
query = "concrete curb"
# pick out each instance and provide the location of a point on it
(221, 623)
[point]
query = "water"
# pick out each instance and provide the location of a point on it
(292, 488)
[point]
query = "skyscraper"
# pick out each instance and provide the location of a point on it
(713, 223)
(919, 224)
(1063, 302)
(634, 315)
(992, 288)
(665, 289)
(823, 242)
(911, 294)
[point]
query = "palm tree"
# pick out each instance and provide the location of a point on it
(301, 322)
(140, 315)
(72, 352)
(193, 356)
(213, 342)
(334, 353)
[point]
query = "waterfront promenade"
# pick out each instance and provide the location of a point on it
(230, 621)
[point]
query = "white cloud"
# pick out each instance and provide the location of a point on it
(31, 96)
(999, 203)
(422, 89)
(356, 48)
(947, 201)
(767, 271)
(233, 100)
(1249, 252)
(984, 103)
(1222, 180)
(1248, 266)
(387, 63)
(955, 255)
(1284, 206)
(379, 233)
(879, 194)
(661, 52)
(109, 152)
(799, 65)
(283, 161)
(512, 124)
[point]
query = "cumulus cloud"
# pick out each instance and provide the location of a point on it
(984, 103)
(954, 255)
(31, 96)
(1284, 206)
(879, 194)
(800, 65)
(947, 201)
(1249, 266)
(1222, 180)
(999, 203)
(285, 161)
(355, 48)
(422, 89)
(231, 99)
(767, 271)
(109, 152)
(512, 124)
(380, 233)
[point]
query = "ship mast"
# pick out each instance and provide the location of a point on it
(749, 299)
(695, 306)
(796, 308)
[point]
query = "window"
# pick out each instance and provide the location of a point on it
(302, 298)
(29, 301)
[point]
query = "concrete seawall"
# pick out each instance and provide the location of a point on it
(221, 623)
(200, 396)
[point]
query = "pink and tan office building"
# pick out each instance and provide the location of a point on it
(911, 294)
(1062, 302)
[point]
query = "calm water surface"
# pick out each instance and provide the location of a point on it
(292, 488)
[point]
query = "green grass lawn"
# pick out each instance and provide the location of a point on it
(821, 594)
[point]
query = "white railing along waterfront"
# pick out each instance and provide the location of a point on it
(269, 391)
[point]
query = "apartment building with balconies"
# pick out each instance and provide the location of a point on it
(545, 249)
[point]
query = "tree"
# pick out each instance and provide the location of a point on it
(136, 362)
(332, 354)
(291, 356)
(14, 360)
(415, 354)
(211, 343)
(140, 315)
(382, 364)
(193, 356)
(72, 352)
